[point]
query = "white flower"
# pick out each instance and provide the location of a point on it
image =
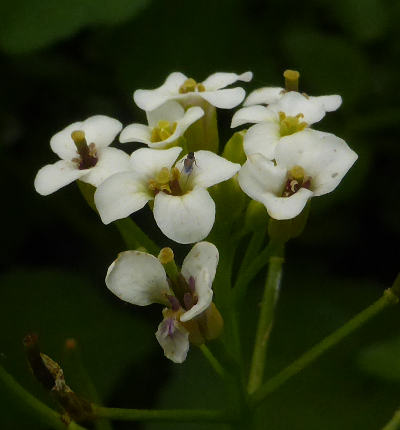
(309, 163)
(269, 95)
(139, 278)
(291, 114)
(83, 149)
(179, 87)
(166, 124)
(183, 208)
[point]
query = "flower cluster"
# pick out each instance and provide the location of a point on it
(287, 163)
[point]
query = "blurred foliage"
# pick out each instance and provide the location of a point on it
(64, 61)
(383, 360)
(31, 25)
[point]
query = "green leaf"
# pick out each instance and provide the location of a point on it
(31, 25)
(59, 305)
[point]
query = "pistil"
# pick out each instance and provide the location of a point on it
(87, 153)
(291, 80)
(190, 85)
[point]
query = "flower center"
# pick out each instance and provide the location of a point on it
(185, 294)
(87, 153)
(190, 85)
(296, 180)
(162, 131)
(167, 181)
(290, 124)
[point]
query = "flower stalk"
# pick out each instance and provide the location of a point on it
(388, 299)
(265, 322)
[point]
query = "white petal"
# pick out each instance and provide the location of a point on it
(323, 156)
(149, 100)
(264, 95)
(222, 80)
(329, 103)
(174, 340)
(170, 111)
(204, 296)
(62, 144)
(185, 219)
(209, 169)
(293, 103)
(111, 161)
(138, 278)
(191, 116)
(262, 138)
(147, 162)
(252, 114)
(52, 177)
(259, 175)
(201, 264)
(286, 207)
(225, 99)
(101, 130)
(136, 133)
(120, 195)
(203, 255)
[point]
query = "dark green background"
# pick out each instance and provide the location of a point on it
(67, 60)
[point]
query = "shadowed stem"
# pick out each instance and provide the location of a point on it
(215, 364)
(44, 414)
(390, 297)
(394, 423)
(248, 273)
(268, 304)
(172, 415)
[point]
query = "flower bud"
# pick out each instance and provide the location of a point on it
(211, 323)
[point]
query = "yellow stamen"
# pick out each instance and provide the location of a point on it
(291, 124)
(163, 130)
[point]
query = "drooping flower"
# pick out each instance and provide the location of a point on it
(85, 155)
(189, 92)
(166, 124)
(291, 114)
(189, 314)
(183, 209)
(306, 164)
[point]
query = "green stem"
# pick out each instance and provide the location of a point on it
(251, 271)
(394, 423)
(172, 415)
(388, 298)
(134, 237)
(253, 248)
(45, 414)
(215, 364)
(265, 321)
